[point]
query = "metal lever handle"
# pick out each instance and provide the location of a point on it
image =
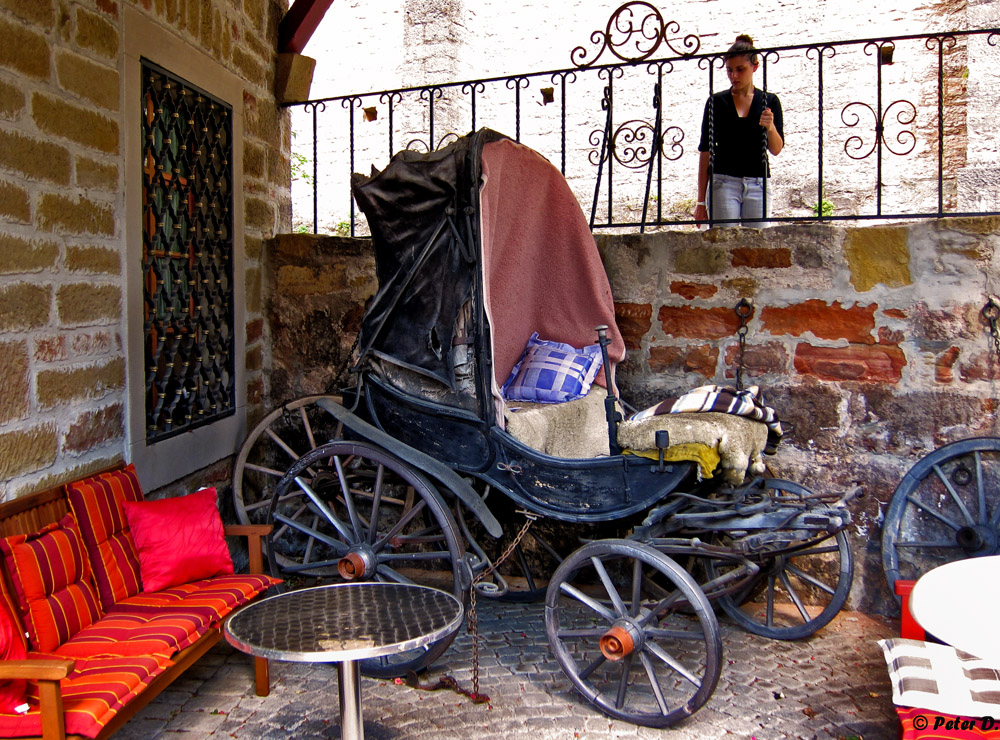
(610, 411)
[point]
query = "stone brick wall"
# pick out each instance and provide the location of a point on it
(868, 341)
(315, 288)
(62, 237)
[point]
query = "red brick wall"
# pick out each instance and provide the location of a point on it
(867, 340)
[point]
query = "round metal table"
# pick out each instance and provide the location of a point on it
(958, 603)
(345, 623)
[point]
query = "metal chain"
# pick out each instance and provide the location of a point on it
(763, 154)
(743, 310)
(338, 382)
(473, 616)
(991, 312)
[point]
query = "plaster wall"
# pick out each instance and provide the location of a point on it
(433, 43)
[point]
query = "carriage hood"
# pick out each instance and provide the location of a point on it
(483, 203)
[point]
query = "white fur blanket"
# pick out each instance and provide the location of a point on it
(579, 429)
(573, 430)
(740, 441)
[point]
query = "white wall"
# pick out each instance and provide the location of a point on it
(364, 47)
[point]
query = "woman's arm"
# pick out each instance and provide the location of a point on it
(700, 210)
(772, 119)
(774, 141)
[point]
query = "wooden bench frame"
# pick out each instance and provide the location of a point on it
(28, 514)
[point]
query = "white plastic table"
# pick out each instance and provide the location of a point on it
(959, 603)
(345, 623)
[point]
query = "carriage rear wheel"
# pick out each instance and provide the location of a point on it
(277, 441)
(651, 660)
(798, 590)
(803, 581)
(946, 508)
(350, 511)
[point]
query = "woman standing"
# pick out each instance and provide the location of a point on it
(738, 123)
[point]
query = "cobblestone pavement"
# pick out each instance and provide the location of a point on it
(833, 685)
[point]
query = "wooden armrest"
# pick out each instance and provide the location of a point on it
(49, 669)
(247, 530)
(255, 544)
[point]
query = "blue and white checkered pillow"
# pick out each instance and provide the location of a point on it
(552, 372)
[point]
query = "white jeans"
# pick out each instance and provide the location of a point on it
(737, 198)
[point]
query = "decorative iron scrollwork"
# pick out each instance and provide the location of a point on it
(905, 115)
(420, 145)
(431, 93)
(629, 145)
(637, 25)
(633, 144)
(946, 41)
(817, 52)
(675, 134)
(318, 107)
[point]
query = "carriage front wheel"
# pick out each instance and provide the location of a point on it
(648, 659)
(798, 589)
(354, 512)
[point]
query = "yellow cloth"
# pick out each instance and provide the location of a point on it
(708, 458)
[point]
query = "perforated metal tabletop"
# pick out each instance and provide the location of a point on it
(344, 622)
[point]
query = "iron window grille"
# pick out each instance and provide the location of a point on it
(187, 255)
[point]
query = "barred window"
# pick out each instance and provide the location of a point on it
(187, 255)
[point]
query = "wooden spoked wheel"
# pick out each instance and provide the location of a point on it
(647, 659)
(946, 508)
(350, 511)
(803, 581)
(278, 441)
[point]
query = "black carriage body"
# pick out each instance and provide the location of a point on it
(426, 217)
(588, 490)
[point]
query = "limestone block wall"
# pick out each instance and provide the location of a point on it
(867, 340)
(63, 247)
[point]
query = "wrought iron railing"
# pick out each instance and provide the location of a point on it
(868, 136)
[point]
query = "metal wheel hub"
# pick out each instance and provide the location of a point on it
(978, 539)
(357, 564)
(623, 639)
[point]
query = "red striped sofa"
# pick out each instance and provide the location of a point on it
(97, 648)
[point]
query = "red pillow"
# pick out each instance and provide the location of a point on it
(179, 539)
(96, 502)
(53, 582)
(13, 691)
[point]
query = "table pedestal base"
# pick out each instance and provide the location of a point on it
(349, 687)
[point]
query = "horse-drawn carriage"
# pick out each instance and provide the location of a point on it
(485, 426)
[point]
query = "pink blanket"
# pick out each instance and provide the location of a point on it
(542, 267)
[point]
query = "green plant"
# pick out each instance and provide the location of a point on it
(823, 209)
(343, 228)
(684, 205)
(302, 229)
(300, 166)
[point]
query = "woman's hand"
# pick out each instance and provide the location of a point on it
(767, 119)
(700, 212)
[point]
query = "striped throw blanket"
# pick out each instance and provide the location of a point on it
(748, 402)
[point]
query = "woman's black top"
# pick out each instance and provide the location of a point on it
(739, 142)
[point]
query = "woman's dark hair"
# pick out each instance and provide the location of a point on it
(742, 48)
